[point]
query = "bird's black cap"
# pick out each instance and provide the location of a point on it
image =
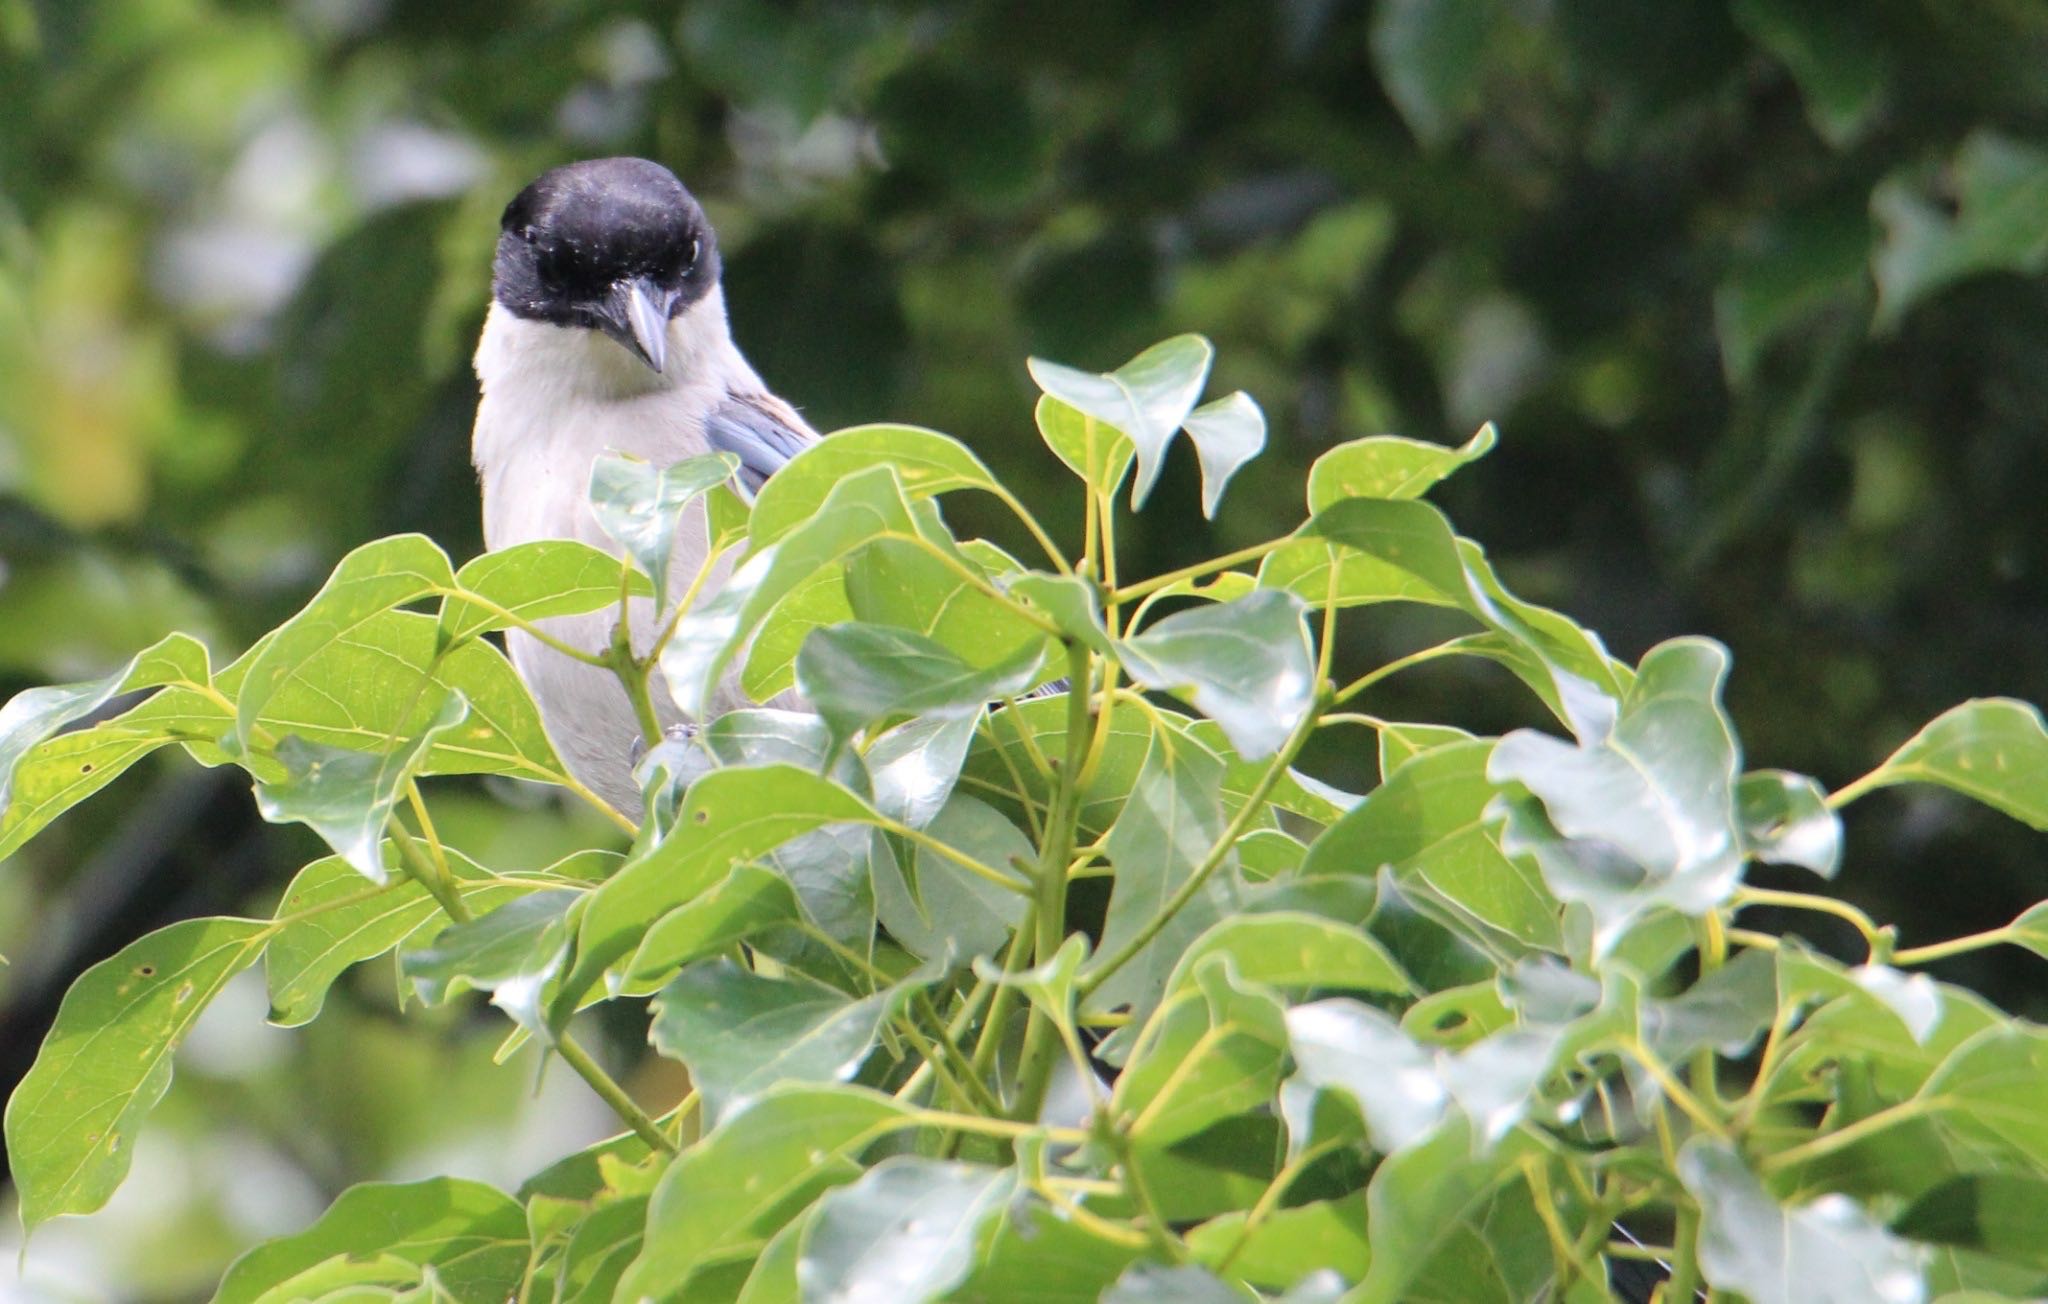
(576, 246)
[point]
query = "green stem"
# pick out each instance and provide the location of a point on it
(1684, 1285)
(1864, 924)
(1041, 1038)
(632, 673)
(1142, 587)
(1953, 946)
(1254, 805)
(438, 886)
(613, 1094)
(1849, 792)
(1456, 647)
(1863, 1129)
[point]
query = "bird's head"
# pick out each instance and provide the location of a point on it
(614, 245)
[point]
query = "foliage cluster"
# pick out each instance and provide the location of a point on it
(988, 994)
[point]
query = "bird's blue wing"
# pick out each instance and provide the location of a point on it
(762, 431)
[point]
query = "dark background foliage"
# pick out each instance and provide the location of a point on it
(1751, 287)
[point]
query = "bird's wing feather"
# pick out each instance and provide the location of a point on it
(762, 431)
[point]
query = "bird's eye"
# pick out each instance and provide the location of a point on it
(695, 246)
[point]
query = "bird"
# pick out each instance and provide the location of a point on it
(607, 332)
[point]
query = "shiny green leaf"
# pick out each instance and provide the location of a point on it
(1226, 433)
(1828, 1249)
(860, 507)
(741, 1033)
(346, 796)
(906, 1231)
(1149, 398)
(1430, 820)
(855, 675)
(640, 505)
(1786, 821)
(1287, 949)
(763, 1164)
(508, 952)
(1248, 665)
(946, 912)
(1645, 817)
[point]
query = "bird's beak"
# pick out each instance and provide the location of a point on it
(636, 315)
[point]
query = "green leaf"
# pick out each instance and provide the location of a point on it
(42, 776)
(328, 920)
(1100, 454)
(763, 1164)
(72, 1122)
(1786, 821)
(1159, 1283)
(1226, 433)
(1405, 1089)
(1401, 742)
(1990, 1090)
(509, 952)
(925, 461)
(1328, 1234)
(1644, 817)
(906, 1231)
(1248, 665)
(346, 796)
(1430, 820)
(1839, 61)
(386, 680)
(600, 1252)
(1431, 1199)
(1431, 56)
(1172, 822)
(1996, 188)
(1829, 1248)
(1289, 949)
(1405, 550)
(812, 605)
(751, 900)
(2005, 1214)
(949, 913)
(1210, 1052)
(1069, 601)
(639, 505)
(855, 675)
(471, 1235)
(533, 581)
(741, 1033)
(893, 582)
(1149, 398)
(1389, 466)
(728, 816)
(1038, 1257)
(773, 1279)
(1051, 985)
(1790, 268)
(860, 507)
(1993, 749)
(369, 581)
(914, 767)
(33, 715)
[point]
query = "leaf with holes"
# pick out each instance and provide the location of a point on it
(72, 1121)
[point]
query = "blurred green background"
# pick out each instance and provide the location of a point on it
(1752, 288)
